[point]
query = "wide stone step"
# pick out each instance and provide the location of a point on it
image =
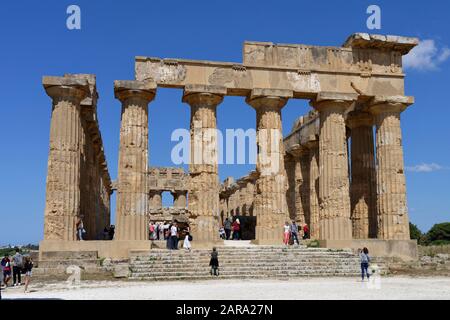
(69, 255)
(240, 276)
(68, 262)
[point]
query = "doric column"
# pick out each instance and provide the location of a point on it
(313, 189)
(300, 191)
(363, 182)
(132, 197)
(334, 198)
(270, 205)
(179, 199)
(62, 203)
(393, 221)
(203, 201)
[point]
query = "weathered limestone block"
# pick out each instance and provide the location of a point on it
(63, 178)
(334, 198)
(179, 199)
(363, 182)
(393, 220)
(270, 205)
(203, 169)
(132, 198)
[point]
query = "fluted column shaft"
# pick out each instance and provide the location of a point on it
(62, 204)
(203, 203)
(334, 198)
(393, 220)
(132, 197)
(363, 182)
(313, 190)
(270, 205)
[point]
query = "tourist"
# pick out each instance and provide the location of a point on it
(222, 233)
(365, 259)
(236, 229)
(80, 228)
(187, 241)
(287, 233)
(6, 268)
(294, 232)
(166, 230)
(106, 233)
(214, 262)
(17, 260)
(305, 232)
(151, 231)
(174, 236)
(227, 227)
(28, 266)
(112, 230)
(157, 230)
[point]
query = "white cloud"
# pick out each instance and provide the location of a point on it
(425, 167)
(426, 56)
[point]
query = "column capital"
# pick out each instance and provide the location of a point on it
(66, 87)
(381, 104)
(296, 151)
(359, 119)
(124, 89)
(203, 95)
(269, 98)
(333, 100)
(312, 144)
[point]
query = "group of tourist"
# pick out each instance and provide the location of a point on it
(18, 265)
(293, 231)
(107, 234)
(171, 233)
(229, 226)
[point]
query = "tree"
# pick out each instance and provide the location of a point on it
(415, 232)
(439, 233)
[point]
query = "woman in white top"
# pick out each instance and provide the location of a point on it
(287, 233)
(187, 243)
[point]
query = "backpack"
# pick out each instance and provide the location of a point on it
(18, 260)
(190, 238)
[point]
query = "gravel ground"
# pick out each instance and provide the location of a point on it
(390, 288)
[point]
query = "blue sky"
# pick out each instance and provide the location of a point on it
(36, 42)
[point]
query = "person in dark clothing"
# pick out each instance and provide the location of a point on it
(227, 227)
(111, 232)
(17, 260)
(28, 266)
(214, 262)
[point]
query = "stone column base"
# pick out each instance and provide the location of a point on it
(403, 249)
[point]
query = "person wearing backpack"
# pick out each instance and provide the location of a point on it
(17, 260)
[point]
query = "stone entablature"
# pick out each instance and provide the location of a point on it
(167, 179)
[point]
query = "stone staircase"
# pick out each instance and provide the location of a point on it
(56, 262)
(245, 262)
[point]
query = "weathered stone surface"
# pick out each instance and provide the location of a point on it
(132, 198)
(363, 182)
(78, 181)
(204, 180)
(393, 221)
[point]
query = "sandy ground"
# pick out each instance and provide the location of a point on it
(309, 288)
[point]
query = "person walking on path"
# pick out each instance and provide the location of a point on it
(294, 232)
(365, 260)
(187, 241)
(28, 266)
(6, 269)
(80, 228)
(17, 260)
(227, 227)
(214, 262)
(287, 233)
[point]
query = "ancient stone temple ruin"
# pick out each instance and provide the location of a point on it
(340, 170)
